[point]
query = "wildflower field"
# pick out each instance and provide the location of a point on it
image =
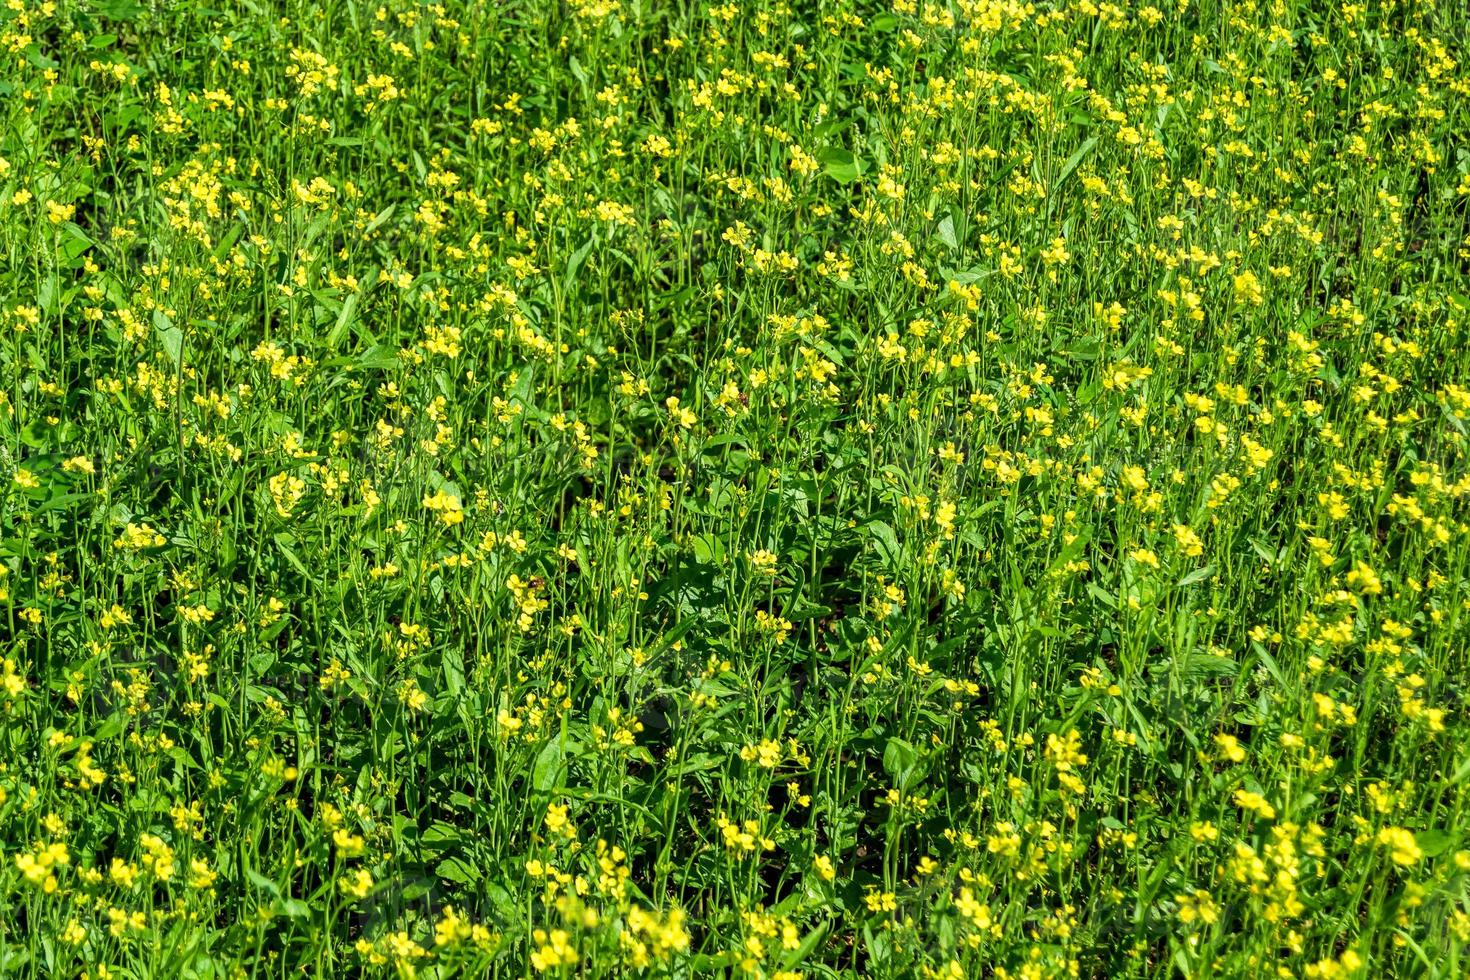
(776, 489)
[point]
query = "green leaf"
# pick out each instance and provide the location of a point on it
(61, 500)
(887, 542)
(49, 295)
(1434, 842)
(804, 948)
(344, 319)
(945, 232)
(575, 260)
(263, 883)
(1198, 575)
(899, 759)
(284, 541)
(453, 670)
(1074, 160)
(380, 357)
(1205, 666)
(377, 223)
(549, 772)
(839, 164)
(707, 549)
(170, 336)
(458, 871)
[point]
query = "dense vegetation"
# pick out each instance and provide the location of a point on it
(792, 488)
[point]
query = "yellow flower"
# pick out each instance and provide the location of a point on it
(976, 911)
(552, 950)
(447, 506)
(825, 867)
(412, 696)
(286, 492)
(1403, 848)
(880, 901)
(1255, 803)
(1230, 748)
(1363, 580)
(1248, 289)
(358, 884)
(1197, 906)
(57, 213)
(201, 875)
(683, 417)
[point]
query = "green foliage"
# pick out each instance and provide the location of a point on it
(773, 489)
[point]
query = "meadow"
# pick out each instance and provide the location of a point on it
(780, 489)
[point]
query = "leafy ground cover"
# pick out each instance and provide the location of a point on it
(793, 488)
